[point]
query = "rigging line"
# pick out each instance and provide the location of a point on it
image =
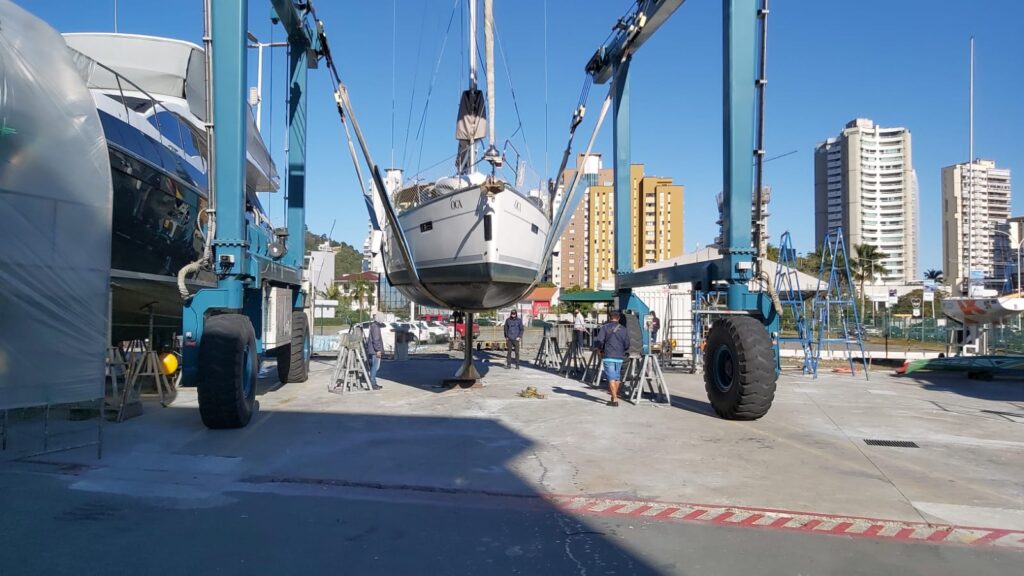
(287, 126)
(515, 103)
(270, 107)
(415, 82)
(433, 79)
(546, 132)
(394, 19)
(434, 165)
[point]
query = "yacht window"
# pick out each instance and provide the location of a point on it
(172, 127)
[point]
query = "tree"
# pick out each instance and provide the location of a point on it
(361, 292)
(810, 263)
(867, 265)
(332, 292)
(347, 260)
(772, 252)
(933, 274)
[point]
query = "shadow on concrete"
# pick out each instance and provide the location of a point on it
(1000, 389)
(581, 394)
(310, 492)
(693, 405)
(428, 371)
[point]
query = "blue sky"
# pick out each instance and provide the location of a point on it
(900, 63)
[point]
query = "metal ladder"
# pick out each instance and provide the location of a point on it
(787, 286)
(350, 366)
(838, 297)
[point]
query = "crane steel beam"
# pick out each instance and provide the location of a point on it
(633, 31)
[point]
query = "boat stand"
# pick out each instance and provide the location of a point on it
(467, 375)
(548, 355)
(643, 374)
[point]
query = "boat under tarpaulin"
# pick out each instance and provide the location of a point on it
(55, 221)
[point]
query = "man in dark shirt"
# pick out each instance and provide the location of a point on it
(375, 349)
(613, 343)
(513, 336)
(655, 325)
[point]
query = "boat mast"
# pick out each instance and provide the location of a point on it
(472, 70)
(492, 154)
(970, 177)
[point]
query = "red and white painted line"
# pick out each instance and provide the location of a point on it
(792, 521)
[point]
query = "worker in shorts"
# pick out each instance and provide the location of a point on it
(612, 342)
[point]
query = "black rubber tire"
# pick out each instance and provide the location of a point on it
(739, 368)
(226, 389)
(293, 359)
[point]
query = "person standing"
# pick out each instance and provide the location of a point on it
(579, 328)
(655, 326)
(375, 349)
(612, 342)
(513, 337)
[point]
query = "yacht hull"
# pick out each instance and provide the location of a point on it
(474, 250)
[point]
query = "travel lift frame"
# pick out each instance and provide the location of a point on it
(741, 357)
(225, 328)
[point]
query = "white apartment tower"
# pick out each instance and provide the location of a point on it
(864, 181)
(985, 229)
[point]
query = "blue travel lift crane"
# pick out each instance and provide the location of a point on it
(741, 354)
(257, 305)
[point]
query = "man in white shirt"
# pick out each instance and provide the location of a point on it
(579, 328)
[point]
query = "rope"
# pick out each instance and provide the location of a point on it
(546, 133)
(394, 20)
(415, 81)
(515, 102)
(430, 90)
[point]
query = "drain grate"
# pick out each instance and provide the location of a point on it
(891, 443)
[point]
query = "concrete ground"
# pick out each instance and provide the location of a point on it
(416, 479)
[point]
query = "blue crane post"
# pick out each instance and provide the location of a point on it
(241, 257)
(733, 386)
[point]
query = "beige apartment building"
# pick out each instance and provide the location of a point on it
(985, 231)
(587, 248)
(864, 182)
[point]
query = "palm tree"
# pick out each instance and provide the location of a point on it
(867, 265)
(935, 275)
(362, 292)
(332, 292)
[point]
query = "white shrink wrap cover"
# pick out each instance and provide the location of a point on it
(55, 221)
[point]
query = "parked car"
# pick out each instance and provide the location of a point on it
(419, 334)
(460, 329)
(436, 332)
(387, 334)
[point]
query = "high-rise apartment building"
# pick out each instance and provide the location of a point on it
(864, 181)
(766, 197)
(984, 230)
(587, 248)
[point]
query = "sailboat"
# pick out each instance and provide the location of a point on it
(477, 242)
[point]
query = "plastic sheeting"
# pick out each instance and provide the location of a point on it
(55, 221)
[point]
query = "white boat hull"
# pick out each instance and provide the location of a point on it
(983, 310)
(473, 250)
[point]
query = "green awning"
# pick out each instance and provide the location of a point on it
(588, 296)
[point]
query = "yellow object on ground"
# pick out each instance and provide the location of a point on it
(169, 362)
(531, 392)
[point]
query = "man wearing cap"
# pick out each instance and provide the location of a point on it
(375, 348)
(513, 336)
(612, 342)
